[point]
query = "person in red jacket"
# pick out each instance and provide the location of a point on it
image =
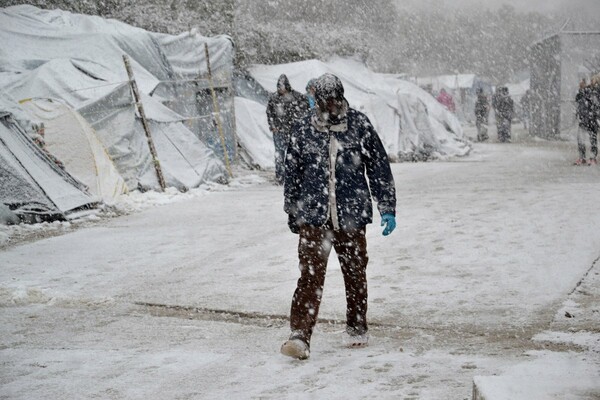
(446, 99)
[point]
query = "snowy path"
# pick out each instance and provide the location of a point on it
(487, 250)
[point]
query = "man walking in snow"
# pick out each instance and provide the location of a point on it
(588, 123)
(482, 110)
(335, 163)
(504, 108)
(284, 108)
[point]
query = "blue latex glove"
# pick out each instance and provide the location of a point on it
(390, 223)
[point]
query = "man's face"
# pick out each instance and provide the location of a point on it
(281, 88)
(331, 106)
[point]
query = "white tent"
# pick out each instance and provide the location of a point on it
(411, 123)
(70, 138)
(30, 183)
(253, 132)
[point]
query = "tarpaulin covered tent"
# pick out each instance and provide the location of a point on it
(411, 123)
(185, 161)
(189, 93)
(78, 59)
(30, 183)
(70, 138)
(253, 133)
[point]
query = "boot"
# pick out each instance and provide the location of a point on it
(296, 346)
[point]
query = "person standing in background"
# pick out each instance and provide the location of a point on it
(587, 128)
(284, 108)
(482, 111)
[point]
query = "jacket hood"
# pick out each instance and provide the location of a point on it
(285, 82)
(329, 86)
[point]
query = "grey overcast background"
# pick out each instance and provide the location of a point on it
(542, 6)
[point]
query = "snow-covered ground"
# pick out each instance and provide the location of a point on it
(492, 275)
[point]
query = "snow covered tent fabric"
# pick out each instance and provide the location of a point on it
(31, 185)
(253, 133)
(185, 161)
(190, 93)
(389, 103)
(78, 59)
(73, 141)
(252, 129)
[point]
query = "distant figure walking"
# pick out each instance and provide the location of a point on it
(284, 108)
(482, 111)
(504, 108)
(446, 99)
(587, 114)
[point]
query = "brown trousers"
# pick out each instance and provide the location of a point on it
(313, 251)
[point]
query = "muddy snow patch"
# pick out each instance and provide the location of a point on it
(20, 296)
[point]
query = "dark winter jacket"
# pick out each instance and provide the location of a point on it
(284, 110)
(505, 107)
(359, 154)
(482, 107)
(586, 110)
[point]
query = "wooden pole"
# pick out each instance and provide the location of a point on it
(217, 112)
(140, 108)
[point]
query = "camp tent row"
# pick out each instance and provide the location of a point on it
(65, 72)
(411, 123)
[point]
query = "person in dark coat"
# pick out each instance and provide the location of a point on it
(335, 164)
(504, 108)
(284, 108)
(482, 111)
(588, 123)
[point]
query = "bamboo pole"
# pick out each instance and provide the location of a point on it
(140, 108)
(217, 112)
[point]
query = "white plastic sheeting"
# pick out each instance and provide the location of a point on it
(73, 141)
(185, 161)
(186, 54)
(253, 132)
(30, 183)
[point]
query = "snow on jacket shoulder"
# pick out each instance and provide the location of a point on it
(360, 155)
(284, 110)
